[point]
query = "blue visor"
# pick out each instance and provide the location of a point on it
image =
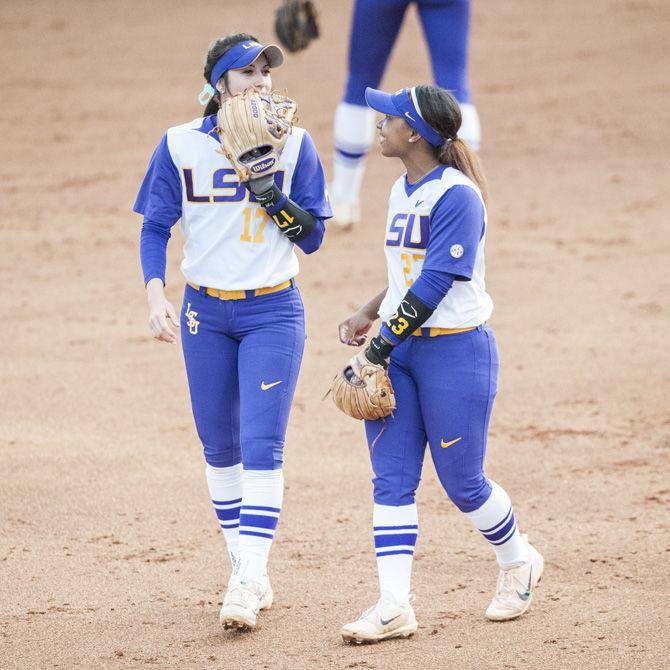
(242, 54)
(401, 104)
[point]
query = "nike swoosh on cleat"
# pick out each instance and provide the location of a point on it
(265, 387)
(526, 595)
(444, 444)
(387, 621)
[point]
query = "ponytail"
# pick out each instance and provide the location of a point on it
(460, 155)
(442, 112)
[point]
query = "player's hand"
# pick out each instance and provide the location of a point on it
(160, 310)
(353, 331)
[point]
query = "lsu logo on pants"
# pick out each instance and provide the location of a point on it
(192, 323)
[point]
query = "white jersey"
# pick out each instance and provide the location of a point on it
(230, 242)
(426, 228)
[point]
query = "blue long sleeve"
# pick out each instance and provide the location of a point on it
(431, 286)
(153, 250)
(313, 241)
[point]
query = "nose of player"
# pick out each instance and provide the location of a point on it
(259, 83)
(379, 125)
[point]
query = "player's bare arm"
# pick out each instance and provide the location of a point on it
(353, 330)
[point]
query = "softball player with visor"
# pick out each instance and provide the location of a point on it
(441, 357)
(242, 321)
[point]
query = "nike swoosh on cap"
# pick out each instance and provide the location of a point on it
(409, 116)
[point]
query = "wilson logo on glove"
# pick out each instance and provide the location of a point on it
(262, 167)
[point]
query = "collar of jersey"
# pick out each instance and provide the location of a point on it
(435, 173)
(208, 125)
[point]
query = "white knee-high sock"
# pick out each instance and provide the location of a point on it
(225, 490)
(354, 130)
(395, 531)
(470, 130)
(262, 495)
(495, 521)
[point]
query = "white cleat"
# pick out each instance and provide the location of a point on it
(243, 601)
(345, 214)
(514, 591)
(385, 620)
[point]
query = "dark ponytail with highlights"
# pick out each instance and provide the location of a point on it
(441, 111)
(214, 53)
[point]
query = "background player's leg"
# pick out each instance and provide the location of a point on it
(374, 28)
(211, 367)
(397, 458)
(446, 27)
(272, 329)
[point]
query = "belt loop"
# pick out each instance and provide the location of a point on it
(202, 290)
(249, 293)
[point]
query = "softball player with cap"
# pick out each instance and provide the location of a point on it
(441, 358)
(375, 27)
(242, 320)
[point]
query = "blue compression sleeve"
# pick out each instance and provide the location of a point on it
(313, 241)
(153, 250)
(431, 286)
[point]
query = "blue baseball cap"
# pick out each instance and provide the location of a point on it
(404, 103)
(243, 54)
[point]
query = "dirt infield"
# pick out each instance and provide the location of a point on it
(110, 555)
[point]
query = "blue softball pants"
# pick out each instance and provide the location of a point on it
(445, 387)
(242, 362)
(375, 27)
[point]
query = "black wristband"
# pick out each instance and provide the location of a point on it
(270, 197)
(379, 350)
(291, 219)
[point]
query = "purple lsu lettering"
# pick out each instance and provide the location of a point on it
(226, 185)
(405, 232)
